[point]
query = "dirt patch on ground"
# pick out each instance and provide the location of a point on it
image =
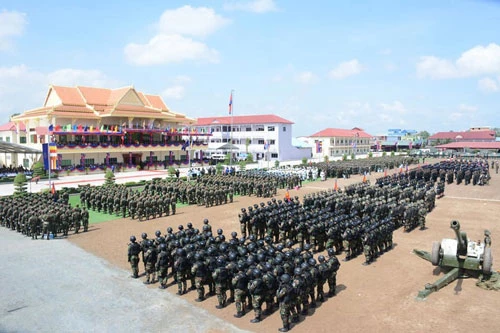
(375, 298)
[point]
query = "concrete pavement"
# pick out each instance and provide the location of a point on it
(55, 286)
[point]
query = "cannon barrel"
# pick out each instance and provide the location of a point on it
(461, 238)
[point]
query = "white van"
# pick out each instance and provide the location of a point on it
(218, 157)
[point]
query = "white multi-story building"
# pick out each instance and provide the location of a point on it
(333, 142)
(266, 137)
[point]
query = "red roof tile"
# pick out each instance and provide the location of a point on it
(69, 95)
(242, 120)
(471, 145)
(71, 108)
(337, 132)
(94, 95)
(468, 135)
(11, 126)
(156, 102)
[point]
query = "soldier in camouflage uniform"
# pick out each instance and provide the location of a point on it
(162, 265)
(285, 296)
(133, 256)
(150, 259)
(256, 289)
(240, 285)
(220, 276)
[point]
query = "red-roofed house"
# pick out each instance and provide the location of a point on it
(267, 137)
(13, 133)
(95, 126)
(469, 136)
(334, 142)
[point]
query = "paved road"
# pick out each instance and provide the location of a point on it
(54, 286)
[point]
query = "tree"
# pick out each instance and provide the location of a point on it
(344, 157)
(326, 159)
(38, 169)
(249, 158)
(227, 160)
(218, 168)
(247, 143)
(109, 178)
(20, 185)
(276, 164)
(171, 171)
(370, 155)
(304, 161)
(243, 165)
(424, 135)
(353, 156)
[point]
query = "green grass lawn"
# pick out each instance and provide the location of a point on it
(94, 217)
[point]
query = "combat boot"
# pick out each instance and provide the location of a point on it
(285, 328)
(238, 315)
(255, 320)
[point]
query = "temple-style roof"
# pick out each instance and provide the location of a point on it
(94, 103)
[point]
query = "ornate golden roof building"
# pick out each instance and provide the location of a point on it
(99, 127)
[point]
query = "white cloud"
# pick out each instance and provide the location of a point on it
(163, 49)
(467, 108)
(12, 24)
(181, 79)
(395, 106)
(390, 67)
(454, 116)
(305, 77)
(478, 60)
(346, 69)
(173, 43)
(198, 22)
(255, 6)
(175, 92)
(81, 77)
(488, 85)
(22, 88)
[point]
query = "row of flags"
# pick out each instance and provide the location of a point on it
(119, 129)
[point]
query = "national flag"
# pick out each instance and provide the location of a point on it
(319, 147)
(185, 145)
(266, 145)
(51, 128)
(335, 187)
(231, 103)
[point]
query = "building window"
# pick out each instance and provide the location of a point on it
(274, 155)
(34, 138)
(89, 162)
(284, 128)
(7, 139)
(260, 141)
(270, 128)
(248, 129)
(259, 128)
(1, 139)
(65, 163)
(22, 139)
(225, 140)
(272, 142)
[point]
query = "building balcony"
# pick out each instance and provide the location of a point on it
(99, 147)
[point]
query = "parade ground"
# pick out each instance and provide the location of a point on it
(82, 283)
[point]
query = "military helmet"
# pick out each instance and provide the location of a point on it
(221, 262)
(262, 204)
(189, 225)
(285, 278)
(132, 239)
(170, 230)
(180, 227)
(297, 271)
(158, 233)
(487, 232)
(243, 210)
(144, 235)
(312, 262)
(205, 221)
(163, 247)
(255, 206)
(321, 258)
(219, 231)
(234, 234)
(331, 252)
(256, 273)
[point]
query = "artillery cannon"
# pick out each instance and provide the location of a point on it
(463, 257)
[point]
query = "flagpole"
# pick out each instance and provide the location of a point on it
(231, 133)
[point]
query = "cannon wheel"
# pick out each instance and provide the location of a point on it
(436, 249)
(487, 261)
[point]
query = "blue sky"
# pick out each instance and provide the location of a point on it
(424, 65)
